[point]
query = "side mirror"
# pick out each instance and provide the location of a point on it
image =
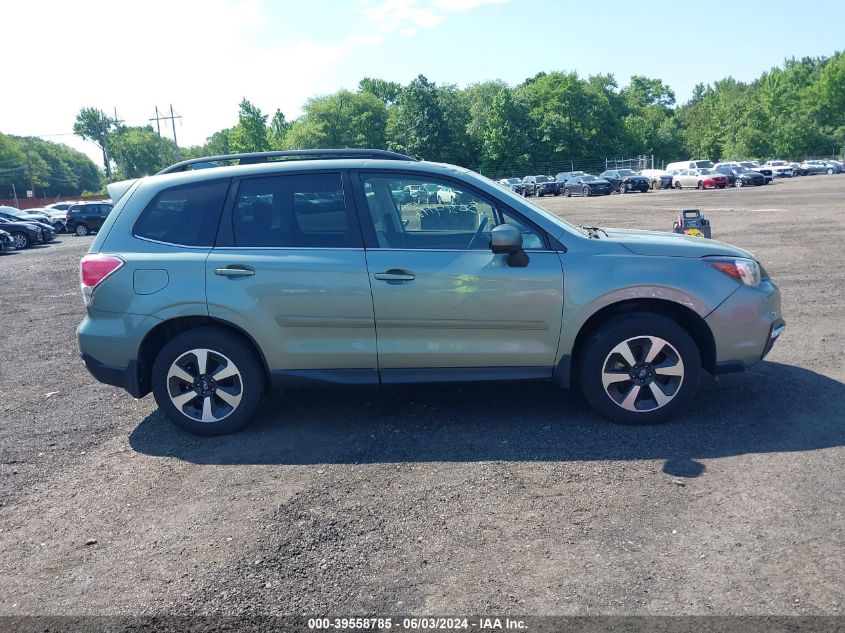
(506, 238)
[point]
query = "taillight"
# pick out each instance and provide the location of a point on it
(93, 269)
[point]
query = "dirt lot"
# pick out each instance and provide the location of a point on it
(441, 499)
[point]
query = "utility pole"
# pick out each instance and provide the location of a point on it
(172, 118)
(117, 123)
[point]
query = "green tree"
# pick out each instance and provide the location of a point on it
(387, 91)
(94, 125)
(343, 119)
(250, 134)
(279, 128)
(141, 151)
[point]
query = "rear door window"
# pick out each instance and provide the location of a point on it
(294, 211)
(187, 215)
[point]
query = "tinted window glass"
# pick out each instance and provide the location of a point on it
(186, 215)
(302, 210)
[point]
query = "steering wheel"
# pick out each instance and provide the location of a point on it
(478, 232)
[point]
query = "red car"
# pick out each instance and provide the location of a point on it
(700, 179)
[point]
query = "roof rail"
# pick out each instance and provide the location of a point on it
(301, 154)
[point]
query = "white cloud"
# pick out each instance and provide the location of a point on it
(203, 56)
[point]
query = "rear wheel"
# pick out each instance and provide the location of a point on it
(640, 368)
(81, 230)
(208, 381)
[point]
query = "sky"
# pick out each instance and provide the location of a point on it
(203, 57)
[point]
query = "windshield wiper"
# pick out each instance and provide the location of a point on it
(593, 231)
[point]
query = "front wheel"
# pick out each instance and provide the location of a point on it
(830, 171)
(678, 186)
(639, 368)
(587, 192)
(739, 182)
(21, 240)
(208, 381)
(567, 193)
(700, 185)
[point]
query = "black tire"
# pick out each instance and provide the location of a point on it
(21, 240)
(738, 182)
(81, 230)
(251, 378)
(621, 187)
(597, 350)
(59, 227)
(587, 192)
(700, 185)
(678, 185)
(567, 193)
(655, 185)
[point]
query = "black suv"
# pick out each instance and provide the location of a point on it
(87, 217)
(540, 186)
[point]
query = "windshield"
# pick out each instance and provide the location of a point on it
(543, 179)
(706, 172)
(627, 172)
(513, 181)
(589, 178)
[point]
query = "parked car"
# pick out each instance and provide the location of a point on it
(55, 218)
(61, 206)
(587, 185)
(24, 234)
(780, 168)
(47, 232)
(730, 174)
(753, 164)
(835, 165)
(540, 186)
(658, 178)
(87, 217)
(699, 179)
(690, 164)
(447, 195)
(796, 169)
(625, 180)
(30, 214)
(514, 184)
(747, 177)
(7, 242)
(208, 287)
(562, 176)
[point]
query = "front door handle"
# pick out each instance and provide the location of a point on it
(235, 271)
(395, 274)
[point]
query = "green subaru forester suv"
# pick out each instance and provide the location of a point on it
(219, 277)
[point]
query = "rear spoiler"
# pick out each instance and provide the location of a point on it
(117, 189)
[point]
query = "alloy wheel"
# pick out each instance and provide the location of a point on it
(204, 385)
(643, 373)
(21, 240)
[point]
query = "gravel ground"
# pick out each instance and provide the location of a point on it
(441, 499)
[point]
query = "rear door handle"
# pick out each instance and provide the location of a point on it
(235, 271)
(395, 274)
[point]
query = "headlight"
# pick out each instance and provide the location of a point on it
(744, 270)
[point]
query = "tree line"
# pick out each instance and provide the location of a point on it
(46, 168)
(793, 111)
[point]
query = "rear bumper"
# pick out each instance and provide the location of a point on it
(125, 377)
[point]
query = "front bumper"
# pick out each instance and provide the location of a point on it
(745, 326)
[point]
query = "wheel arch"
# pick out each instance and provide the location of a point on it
(687, 318)
(155, 339)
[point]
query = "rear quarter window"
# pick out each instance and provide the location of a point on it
(187, 215)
